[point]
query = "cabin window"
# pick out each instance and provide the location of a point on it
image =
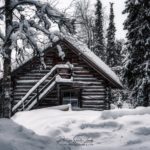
(70, 97)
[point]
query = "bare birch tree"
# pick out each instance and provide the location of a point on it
(20, 24)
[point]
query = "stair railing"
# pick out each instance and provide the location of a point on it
(37, 85)
(43, 92)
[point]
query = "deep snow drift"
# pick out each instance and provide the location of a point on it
(16, 137)
(123, 129)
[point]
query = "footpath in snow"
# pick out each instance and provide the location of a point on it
(118, 129)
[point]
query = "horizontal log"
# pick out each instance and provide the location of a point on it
(93, 90)
(22, 87)
(82, 75)
(34, 74)
(81, 72)
(30, 78)
(84, 79)
(43, 105)
(94, 109)
(21, 93)
(41, 71)
(79, 68)
(94, 106)
(32, 82)
(99, 97)
(92, 93)
(85, 83)
(50, 99)
(93, 102)
(93, 87)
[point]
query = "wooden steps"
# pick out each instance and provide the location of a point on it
(27, 78)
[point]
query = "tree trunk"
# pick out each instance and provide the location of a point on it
(6, 87)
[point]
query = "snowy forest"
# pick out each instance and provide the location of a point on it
(74, 74)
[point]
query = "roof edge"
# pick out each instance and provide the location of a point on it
(100, 71)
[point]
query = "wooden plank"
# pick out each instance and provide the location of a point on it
(93, 103)
(93, 90)
(94, 106)
(93, 97)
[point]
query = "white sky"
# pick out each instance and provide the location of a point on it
(118, 8)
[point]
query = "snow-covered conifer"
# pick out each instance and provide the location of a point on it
(137, 66)
(99, 48)
(111, 48)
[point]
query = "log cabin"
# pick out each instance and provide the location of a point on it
(81, 79)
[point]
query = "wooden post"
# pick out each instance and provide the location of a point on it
(58, 95)
(79, 98)
(37, 92)
(108, 97)
(13, 87)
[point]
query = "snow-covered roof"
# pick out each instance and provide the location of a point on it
(94, 60)
(88, 55)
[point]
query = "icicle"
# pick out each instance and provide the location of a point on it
(136, 2)
(70, 65)
(42, 60)
(70, 107)
(60, 52)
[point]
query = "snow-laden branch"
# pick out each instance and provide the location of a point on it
(2, 8)
(16, 3)
(9, 33)
(31, 40)
(38, 27)
(2, 36)
(44, 8)
(45, 12)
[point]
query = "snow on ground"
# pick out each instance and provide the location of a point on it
(118, 129)
(16, 137)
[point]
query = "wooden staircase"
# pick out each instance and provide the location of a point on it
(25, 83)
(33, 87)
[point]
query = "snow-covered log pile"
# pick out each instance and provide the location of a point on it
(116, 129)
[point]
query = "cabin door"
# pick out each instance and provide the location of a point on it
(71, 97)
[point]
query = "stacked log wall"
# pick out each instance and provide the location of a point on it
(93, 87)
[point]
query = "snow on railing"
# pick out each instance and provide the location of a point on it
(41, 96)
(38, 97)
(59, 79)
(59, 66)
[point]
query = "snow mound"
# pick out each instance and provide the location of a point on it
(116, 113)
(16, 137)
(91, 130)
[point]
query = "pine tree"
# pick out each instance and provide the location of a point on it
(137, 67)
(111, 49)
(99, 48)
(119, 48)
